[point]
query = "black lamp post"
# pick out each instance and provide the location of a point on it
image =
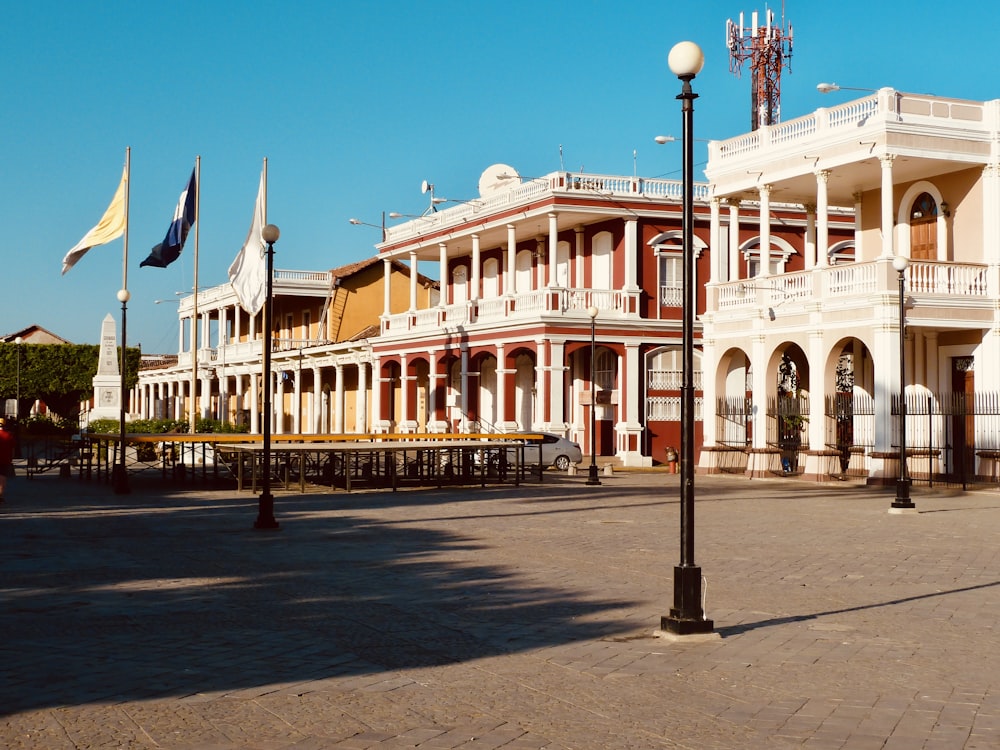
(687, 617)
(592, 475)
(17, 395)
(902, 502)
(265, 507)
(119, 478)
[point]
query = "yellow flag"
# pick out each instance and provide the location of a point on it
(110, 227)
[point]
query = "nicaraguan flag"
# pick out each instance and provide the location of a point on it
(169, 250)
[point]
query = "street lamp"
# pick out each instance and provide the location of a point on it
(119, 474)
(17, 396)
(826, 88)
(592, 475)
(902, 503)
(687, 617)
(359, 223)
(265, 507)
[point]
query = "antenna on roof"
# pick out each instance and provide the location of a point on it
(768, 47)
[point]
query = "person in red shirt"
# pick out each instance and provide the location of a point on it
(6, 456)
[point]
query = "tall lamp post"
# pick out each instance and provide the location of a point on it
(687, 617)
(592, 475)
(902, 502)
(17, 394)
(265, 508)
(119, 478)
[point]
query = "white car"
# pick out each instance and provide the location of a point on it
(555, 450)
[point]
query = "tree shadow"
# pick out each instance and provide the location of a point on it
(121, 599)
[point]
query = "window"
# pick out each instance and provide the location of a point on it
(672, 279)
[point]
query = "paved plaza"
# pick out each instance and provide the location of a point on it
(504, 617)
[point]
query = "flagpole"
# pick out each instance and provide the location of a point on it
(120, 479)
(265, 512)
(194, 312)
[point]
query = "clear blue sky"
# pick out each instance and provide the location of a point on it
(354, 104)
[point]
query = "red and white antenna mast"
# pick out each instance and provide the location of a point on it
(768, 47)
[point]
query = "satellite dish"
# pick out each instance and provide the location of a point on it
(425, 186)
(497, 177)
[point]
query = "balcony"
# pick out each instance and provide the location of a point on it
(964, 286)
(532, 305)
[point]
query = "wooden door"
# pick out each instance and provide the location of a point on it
(923, 228)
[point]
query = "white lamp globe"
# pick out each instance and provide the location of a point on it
(900, 262)
(686, 59)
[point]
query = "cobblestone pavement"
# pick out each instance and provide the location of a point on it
(507, 617)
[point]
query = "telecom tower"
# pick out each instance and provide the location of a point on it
(768, 48)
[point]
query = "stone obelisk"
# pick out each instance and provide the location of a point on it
(107, 381)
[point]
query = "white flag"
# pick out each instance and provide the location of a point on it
(248, 273)
(110, 227)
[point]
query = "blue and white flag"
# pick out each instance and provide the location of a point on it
(169, 250)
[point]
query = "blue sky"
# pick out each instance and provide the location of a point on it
(354, 104)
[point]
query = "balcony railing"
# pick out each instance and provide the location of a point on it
(955, 280)
(610, 303)
(885, 106)
(533, 189)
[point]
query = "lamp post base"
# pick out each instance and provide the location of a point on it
(687, 616)
(265, 513)
(119, 480)
(902, 503)
(592, 475)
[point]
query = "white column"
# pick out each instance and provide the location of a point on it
(501, 402)
(734, 239)
(765, 231)
(557, 380)
(386, 278)
(316, 406)
(404, 392)
(377, 418)
(254, 403)
(338, 400)
(278, 404)
(509, 281)
(931, 368)
(540, 417)
(991, 214)
(631, 255)
(476, 269)
(578, 250)
(464, 395)
(361, 400)
(180, 336)
(445, 282)
(205, 396)
(822, 218)
(553, 247)
(759, 390)
(859, 253)
(888, 221)
(413, 280)
(714, 256)
(297, 401)
(810, 238)
(240, 399)
(538, 277)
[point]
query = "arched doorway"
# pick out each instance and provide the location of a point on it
(923, 228)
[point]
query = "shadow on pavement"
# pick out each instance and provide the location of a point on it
(148, 595)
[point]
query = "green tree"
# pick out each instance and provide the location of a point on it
(61, 375)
